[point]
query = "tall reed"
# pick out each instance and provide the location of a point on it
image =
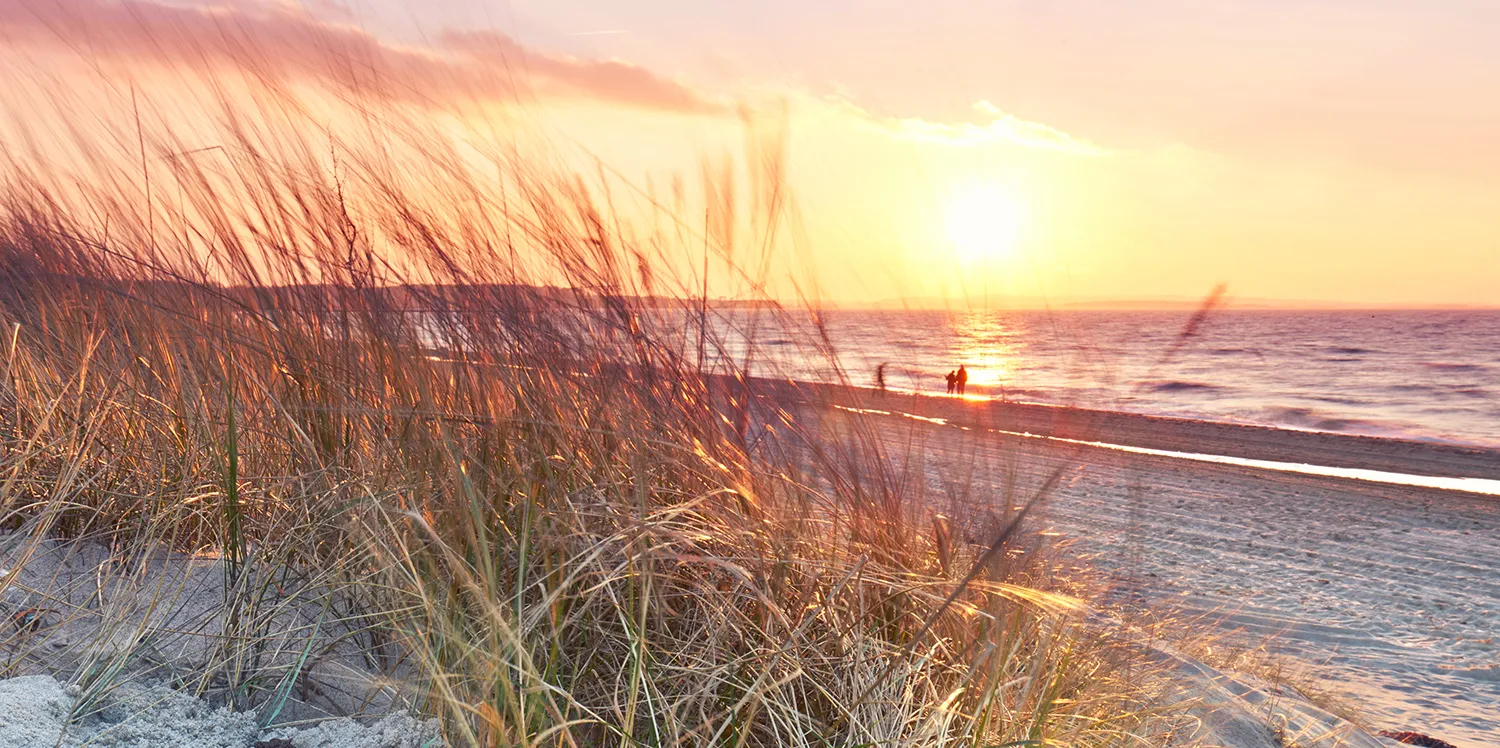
(428, 407)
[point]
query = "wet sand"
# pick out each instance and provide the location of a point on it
(1174, 434)
(1388, 594)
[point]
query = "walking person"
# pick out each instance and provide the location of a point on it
(962, 378)
(880, 377)
(952, 381)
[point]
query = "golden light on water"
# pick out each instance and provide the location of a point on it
(984, 223)
(989, 349)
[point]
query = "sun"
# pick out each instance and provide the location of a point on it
(984, 224)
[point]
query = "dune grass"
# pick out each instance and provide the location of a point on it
(439, 445)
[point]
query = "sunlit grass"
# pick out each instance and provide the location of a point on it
(447, 442)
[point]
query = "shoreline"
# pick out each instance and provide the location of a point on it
(1166, 433)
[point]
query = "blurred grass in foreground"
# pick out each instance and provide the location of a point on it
(443, 421)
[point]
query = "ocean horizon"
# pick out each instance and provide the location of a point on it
(1414, 374)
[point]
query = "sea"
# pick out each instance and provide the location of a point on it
(1425, 375)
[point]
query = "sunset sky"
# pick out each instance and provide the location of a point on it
(1301, 151)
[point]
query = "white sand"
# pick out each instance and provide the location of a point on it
(38, 711)
(154, 623)
(1242, 711)
(1388, 594)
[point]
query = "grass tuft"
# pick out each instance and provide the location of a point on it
(350, 419)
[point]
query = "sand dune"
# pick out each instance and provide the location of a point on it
(1388, 594)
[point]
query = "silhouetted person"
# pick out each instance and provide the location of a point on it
(880, 377)
(952, 381)
(962, 378)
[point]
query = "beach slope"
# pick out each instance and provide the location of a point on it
(1387, 595)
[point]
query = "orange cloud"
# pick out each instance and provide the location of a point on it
(277, 42)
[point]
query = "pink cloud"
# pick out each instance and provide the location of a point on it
(597, 78)
(280, 43)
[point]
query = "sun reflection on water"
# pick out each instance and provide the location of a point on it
(990, 347)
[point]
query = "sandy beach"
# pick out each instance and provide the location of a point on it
(1385, 595)
(1177, 434)
(1388, 595)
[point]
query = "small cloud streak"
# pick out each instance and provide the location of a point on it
(1001, 127)
(279, 42)
(600, 79)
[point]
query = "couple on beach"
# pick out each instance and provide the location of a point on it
(957, 380)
